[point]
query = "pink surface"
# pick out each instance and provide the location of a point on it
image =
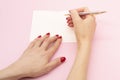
(15, 24)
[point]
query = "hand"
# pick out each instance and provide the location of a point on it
(35, 60)
(84, 26)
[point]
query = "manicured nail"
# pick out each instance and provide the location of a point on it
(39, 36)
(59, 37)
(48, 34)
(62, 59)
(67, 18)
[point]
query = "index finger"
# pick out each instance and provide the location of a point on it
(75, 16)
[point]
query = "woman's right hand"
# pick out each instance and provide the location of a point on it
(84, 26)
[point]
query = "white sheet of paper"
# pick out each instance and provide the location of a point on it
(53, 22)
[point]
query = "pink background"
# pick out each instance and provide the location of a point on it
(15, 24)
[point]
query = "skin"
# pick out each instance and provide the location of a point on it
(84, 28)
(36, 59)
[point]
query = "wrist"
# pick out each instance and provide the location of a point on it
(10, 73)
(84, 43)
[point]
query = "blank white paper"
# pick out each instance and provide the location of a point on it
(53, 22)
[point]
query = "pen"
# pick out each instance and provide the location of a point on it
(87, 13)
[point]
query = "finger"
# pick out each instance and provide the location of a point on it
(88, 16)
(40, 40)
(69, 22)
(68, 18)
(87, 10)
(75, 16)
(33, 42)
(82, 9)
(55, 63)
(70, 25)
(54, 47)
(49, 41)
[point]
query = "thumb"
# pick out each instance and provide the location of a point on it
(75, 16)
(55, 63)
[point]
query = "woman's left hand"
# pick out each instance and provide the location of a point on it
(35, 60)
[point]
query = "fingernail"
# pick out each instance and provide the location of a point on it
(62, 59)
(67, 18)
(47, 33)
(59, 37)
(39, 36)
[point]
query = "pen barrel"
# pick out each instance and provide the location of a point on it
(87, 13)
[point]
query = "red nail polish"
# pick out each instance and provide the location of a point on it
(48, 34)
(67, 18)
(62, 59)
(39, 36)
(59, 37)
